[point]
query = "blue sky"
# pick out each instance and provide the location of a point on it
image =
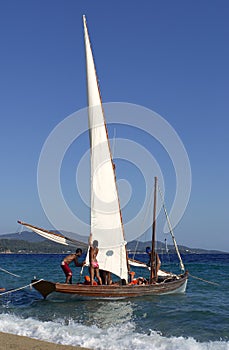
(169, 56)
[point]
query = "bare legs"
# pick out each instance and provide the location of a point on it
(94, 272)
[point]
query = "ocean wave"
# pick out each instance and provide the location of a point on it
(68, 332)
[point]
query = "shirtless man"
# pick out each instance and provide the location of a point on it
(94, 266)
(67, 260)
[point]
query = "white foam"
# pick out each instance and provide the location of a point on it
(112, 338)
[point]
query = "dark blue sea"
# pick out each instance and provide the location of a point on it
(198, 319)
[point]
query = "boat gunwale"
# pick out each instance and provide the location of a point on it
(114, 290)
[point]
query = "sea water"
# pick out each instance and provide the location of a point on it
(198, 319)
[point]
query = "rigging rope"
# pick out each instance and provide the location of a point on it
(171, 230)
(19, 229)
(144, 220)
(10, 273)
(201, 279)
(20, 288)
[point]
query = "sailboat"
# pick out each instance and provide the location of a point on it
(106, 218)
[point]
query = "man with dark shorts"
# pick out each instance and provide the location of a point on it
(67, 260)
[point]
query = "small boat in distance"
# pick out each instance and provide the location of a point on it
(106, 220)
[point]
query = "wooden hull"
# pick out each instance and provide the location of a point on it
(113, 291)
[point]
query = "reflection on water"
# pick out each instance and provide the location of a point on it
(108, 313)
(93, 312)
(100, 313)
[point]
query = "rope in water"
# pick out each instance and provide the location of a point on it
(10, 273)
(20, 288)
(201, 279)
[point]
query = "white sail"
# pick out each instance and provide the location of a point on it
(106, 223)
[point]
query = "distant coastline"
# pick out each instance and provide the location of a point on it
(31, 243)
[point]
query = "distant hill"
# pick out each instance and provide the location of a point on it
(141, 246)
(30, 236)
(30, 242)
(25, 247)
(23, 236)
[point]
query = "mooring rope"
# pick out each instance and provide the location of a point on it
(201, 279)
(20, 288)
(10, 273)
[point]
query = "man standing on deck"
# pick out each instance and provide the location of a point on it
(67, 260)
(94, 266)
(156, 260)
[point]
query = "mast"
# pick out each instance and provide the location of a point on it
(153, 271)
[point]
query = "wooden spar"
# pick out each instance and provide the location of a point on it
(52, 234)
(153, 271)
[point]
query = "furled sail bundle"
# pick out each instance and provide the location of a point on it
(52, 236)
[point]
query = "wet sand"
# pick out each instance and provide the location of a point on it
(11, 341)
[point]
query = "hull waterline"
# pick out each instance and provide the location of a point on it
(45, 288)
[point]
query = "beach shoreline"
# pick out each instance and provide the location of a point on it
(10, 341)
